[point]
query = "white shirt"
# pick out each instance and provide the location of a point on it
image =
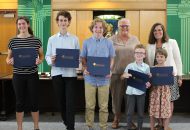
(173, 59)
(143, 68)
(66, 41)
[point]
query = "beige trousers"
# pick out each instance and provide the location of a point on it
(90, 98)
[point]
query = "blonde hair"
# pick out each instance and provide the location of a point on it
(140, 46)
(104, 24)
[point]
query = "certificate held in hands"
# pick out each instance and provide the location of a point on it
(68, 58)
(24, 57)
(98, 66)
(138, 80)
(162, 76)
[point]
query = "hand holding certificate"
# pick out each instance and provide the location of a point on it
(98, 66)
(24, 57)
(162, 76)
(137, 80)
(68, 58)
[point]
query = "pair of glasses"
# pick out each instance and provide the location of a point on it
(140, 53)
(123, 26)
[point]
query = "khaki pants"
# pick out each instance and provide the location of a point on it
(90, 97)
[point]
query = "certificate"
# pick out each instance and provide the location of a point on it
(24, 57)
(98, 66)
(162, 76)
(138, 80)
(68, 58)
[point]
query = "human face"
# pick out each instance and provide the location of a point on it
(22, 26)
(160, 59)
(123, 28)
(158, 32)
(98, 30)
(63, 23)
(139, 54)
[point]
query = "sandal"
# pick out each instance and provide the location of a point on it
(115, 124)
(158, 127)
(133, 126)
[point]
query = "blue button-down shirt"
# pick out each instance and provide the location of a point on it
(66, 41)
(97, 48)
(143, 68)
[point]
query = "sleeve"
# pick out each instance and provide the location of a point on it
(148, 69)
(127, 68)
(10, 44)
(111, 49)
(84, 50)
(77, 43)
(49, 53)
(177, 57)
(38, 43)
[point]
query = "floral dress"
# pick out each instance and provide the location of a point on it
(160, 98)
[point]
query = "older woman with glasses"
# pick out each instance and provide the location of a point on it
(124, 44)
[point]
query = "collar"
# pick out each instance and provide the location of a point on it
(94, 38)
(141, 65)
(60, 35)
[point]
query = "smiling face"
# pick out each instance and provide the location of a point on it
(160, 59)
(124, 26)
(98, 30)
(158, 32)
(22, 26)
(139, 54)
(63, 23)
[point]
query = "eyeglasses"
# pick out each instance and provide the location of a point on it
(123, 26)
(139, 53)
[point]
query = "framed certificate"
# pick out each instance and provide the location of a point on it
(138, 80)
(162, 76)
(24, 57)
(98, 66)
(68, 58)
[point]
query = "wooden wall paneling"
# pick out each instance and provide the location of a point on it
(8, 30)
(72, 27)
(8, 4)
(5, 69)
(108, 5)
(122, 0)
(152, 0)
(84, 18)
(61, 1)
(134, 17)
(147, 19)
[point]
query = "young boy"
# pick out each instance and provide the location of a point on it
(64, 79)
(98, 46)
(136, 96)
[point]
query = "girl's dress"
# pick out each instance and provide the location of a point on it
(160, 98)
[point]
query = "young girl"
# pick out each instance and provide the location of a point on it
(160, 97)
(25, 79)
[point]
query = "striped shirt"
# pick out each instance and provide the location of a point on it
(29, 42)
